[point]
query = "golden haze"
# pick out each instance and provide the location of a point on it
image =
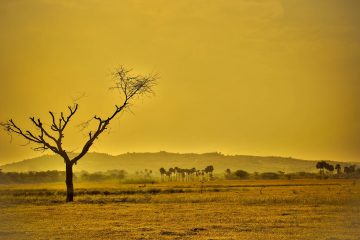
(241, 77)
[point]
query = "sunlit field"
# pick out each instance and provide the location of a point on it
(273, 209)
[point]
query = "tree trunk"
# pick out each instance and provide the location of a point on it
(69, 183)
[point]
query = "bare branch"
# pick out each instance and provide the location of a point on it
(11, 127)
(39, 124)
(129, 86)
(54, 127)
(72, 112)
(43, 135)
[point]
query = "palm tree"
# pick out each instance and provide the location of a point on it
(182, 174)
(209, 170)
(168, 174)
(177, 170)
(197, 174)
(202, 173)
(171, 171)
(192, 172)
(162, 172)
(338, 169)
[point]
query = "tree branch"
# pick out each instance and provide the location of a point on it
(43, 136)
(129, 86)
(11, 127)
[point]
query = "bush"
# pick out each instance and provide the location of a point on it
(241, 174)
(238, 174)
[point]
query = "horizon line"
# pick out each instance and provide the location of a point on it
(197, 153)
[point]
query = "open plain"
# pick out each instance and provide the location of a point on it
(248, 209)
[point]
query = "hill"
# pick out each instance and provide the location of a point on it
(132, 162)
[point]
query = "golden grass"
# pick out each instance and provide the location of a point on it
(278, 209)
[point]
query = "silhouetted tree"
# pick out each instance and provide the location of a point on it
(192, 173)
(168, 174)
(171, 172)
(177, 173)
(130, 86)
(241, 174)
(209, 170)
(329, 167)
(350, 169)
(186, 174)
(338, 169)
(321, 165)
(162, 173)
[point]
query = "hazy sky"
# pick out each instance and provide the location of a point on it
(251, 77)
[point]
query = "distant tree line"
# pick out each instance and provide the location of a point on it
(31, 177)
(184, 174)
(242, 174)
(110, 175)
(141, 177)
(59, 176)
(327, 170)
(146, 173)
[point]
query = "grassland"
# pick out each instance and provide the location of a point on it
(277, 209)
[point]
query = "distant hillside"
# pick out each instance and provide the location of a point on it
(132, 162)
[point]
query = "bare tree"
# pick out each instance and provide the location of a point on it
(51, 138)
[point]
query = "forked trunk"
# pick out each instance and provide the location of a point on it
(69, 183)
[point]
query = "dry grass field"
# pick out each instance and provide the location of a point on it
(276, 209)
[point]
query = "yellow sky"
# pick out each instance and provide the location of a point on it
(251, 77)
